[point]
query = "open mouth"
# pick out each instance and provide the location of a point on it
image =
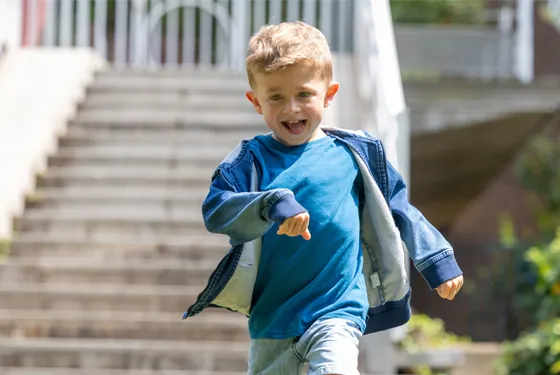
(295, 126)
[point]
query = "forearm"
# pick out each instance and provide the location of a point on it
(246, 216)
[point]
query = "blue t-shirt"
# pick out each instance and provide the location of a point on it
(302, 281)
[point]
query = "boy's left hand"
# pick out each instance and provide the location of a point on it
(449, 289)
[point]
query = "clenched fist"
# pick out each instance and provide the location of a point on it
(449, 289)
(296, 226)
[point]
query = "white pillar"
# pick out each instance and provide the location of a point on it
(392, 127)
(10, 22)
(525, 41)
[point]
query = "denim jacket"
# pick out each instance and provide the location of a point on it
(392, 230)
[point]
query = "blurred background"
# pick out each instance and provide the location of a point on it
(114, 114)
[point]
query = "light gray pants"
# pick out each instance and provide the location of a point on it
(327, 347)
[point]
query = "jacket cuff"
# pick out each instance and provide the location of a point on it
(286, 207)
(441, 271)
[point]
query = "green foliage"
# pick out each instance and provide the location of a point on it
(545, 262)
(538, 170)
(425, 332)
(534, 269)
(438, 11)
(535, 353)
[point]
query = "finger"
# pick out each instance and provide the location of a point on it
(290, 227)
(282, 228)
(443, 291)
(305, 225)
(306, 235)
(298, 227)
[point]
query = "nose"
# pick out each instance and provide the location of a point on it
(292, 106)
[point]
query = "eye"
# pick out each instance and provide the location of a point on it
(304, 94)
(275, 97)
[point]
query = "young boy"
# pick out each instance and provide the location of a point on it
(318, 219)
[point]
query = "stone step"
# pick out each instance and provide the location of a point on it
(171, 72)
(109, 176)
(123, 354)
(131, 216)
(125, 195)
(154, 157)
(162, 151)
(82, 136)
(212, 118)
(75, 371)
(166, 176)
(189, 213)
(190, 85)
(86, 203)
(168, 101)
(209, 326)
(76, 270)
(140, 120)
(195, 248)
(98, 296)
(101, 223)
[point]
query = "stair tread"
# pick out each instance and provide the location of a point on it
(198, 240)
(96, 371)
(100, 192)
(80, 264)
(110, 345)
(210, 317)
(100, 289)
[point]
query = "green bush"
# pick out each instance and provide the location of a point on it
(438, 11)
(545, 261)
(534, 353)
(535, 268)
(425, 332)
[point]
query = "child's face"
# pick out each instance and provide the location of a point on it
(292, 101)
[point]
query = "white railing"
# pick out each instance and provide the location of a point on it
(382, 111)
(501, 48)
(10, 23)
(175, 32)
(382, 106)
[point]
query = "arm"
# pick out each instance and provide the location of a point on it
(430, 252)
(245, 216)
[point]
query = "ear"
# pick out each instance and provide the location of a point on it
(331, 92)
(253, 99)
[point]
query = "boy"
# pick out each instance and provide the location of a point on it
(318, 221)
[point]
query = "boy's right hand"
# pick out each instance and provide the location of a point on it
(296, 226)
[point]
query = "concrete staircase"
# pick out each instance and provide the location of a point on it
(111, 248)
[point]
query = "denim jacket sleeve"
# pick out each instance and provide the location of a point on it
(242, 215)
(430, 252)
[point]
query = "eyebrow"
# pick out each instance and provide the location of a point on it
(275, 89)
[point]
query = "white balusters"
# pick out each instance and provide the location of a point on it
(189, 34)
(49, 35)
(31, 31)
(309, 12)
(121, 32)
(172, 35)
(65, 28)
(100, 28)
(325, 19)
(275, 11)
(293, 10)
(206, 32)
(259, 14)
(155, 35)
(82, 23)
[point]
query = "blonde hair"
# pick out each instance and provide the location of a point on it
(275, 47)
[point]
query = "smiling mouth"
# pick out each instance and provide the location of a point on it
(296, 126)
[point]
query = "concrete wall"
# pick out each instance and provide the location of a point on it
(39, 89)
